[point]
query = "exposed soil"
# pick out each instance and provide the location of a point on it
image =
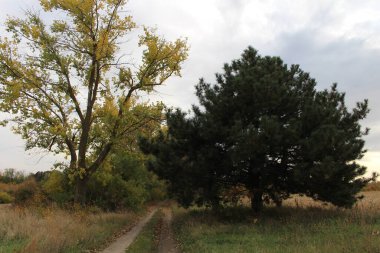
(123, 242)
(167, 243)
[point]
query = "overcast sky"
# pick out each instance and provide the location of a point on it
(335, 41)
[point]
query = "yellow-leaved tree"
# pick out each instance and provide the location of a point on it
(68, 88)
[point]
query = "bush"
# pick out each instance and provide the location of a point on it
(28, 192)
(5, 198)
(56, 186)
(112, 192)
(157, 188)
(125, 183)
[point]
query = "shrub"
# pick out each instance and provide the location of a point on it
(56, 187)
(112, 191)
(157, 188)
(5, 198)
(125, 183)
(27, 192)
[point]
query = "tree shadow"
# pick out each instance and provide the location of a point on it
(308, 215)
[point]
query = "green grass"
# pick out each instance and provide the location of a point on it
(280, 230)
(147, 240)
(12, 246)
(98, 239)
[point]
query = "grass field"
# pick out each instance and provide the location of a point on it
(373, 186)
(54, 230)
(301, 225)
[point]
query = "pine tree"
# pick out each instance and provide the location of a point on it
(263, 125)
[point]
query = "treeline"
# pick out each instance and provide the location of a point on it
(124, 182)
(11, 175)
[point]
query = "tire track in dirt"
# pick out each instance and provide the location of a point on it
(167, 243)
(123, 242)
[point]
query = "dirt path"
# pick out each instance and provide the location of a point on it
(122, 243)
(167, 243)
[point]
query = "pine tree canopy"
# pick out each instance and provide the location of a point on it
(263, 127)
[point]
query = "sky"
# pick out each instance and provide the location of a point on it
(336, 41)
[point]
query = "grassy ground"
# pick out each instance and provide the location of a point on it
(300, 226)
(54, 230)
(147, 241)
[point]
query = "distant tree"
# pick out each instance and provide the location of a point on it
(263, 126)
(12, 176)
(68, 85)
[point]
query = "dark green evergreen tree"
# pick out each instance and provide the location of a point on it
(263, 125)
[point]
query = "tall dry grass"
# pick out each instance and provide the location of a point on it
(301, 225)
(374, 186)
(368, 205)
(8, 187)
(54, 230)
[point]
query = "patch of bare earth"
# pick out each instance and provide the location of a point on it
(167, 243)
(123, 242)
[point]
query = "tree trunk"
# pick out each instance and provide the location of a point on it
(257, 200)
(278, 202)
(80, 191)
(215, 206)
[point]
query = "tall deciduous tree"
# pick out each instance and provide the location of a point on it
(263, 126)
(68, 86)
